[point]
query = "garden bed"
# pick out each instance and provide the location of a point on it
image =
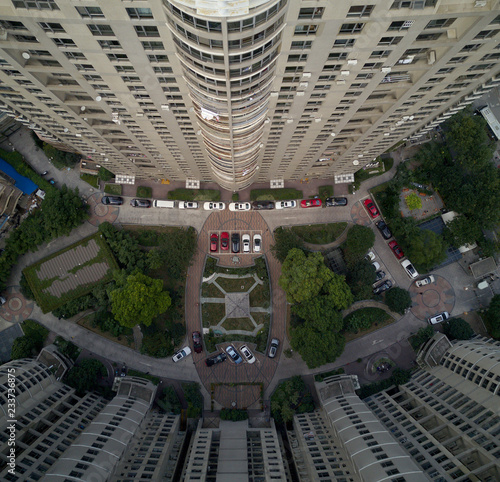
(183, 194)
(319, 233)
(209, 290)
(87, 323)
(235, 285)
(113, 189)
(244, 324)
(377, 317)
(284, 194)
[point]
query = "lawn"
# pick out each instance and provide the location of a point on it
(90, 179)
(235, 285)
(183, 194)
(380, 318)
(320, 233)
(260, 317)
(59, 272)
(113, 189)
(87, 322)
(209, 290)
(325, 191)
(284, 194)
(260, 296)
(238, 324)
(144, 191)
(212, 313)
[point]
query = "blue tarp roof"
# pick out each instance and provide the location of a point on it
(27, 186)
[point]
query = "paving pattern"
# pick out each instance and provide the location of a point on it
(236, 378)
(359, 214)
(100, 213)
(432, 298)
(17, 308)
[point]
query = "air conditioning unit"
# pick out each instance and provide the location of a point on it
(345, 73)
(386, 70)
(306, 75)
(165, 107)
(480, 3)
(303, 85)
(352, 62)
(3, 34)
(431, 57)
(300, 94)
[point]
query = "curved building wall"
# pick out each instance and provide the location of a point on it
(229, 75)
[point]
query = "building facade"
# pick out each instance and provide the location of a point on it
(242, 92)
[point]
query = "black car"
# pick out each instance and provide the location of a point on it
(140, 203)
(387, 284)
(384, 230)
(379, 275)
(263, 205)
(113, 200)
(216, 359)
(336, 201)
(235, 243)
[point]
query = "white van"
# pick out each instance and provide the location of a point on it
(164, 204)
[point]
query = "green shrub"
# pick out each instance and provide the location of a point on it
(413, 201)
(105, 175)
(235, 197)
(364, 318)
(398, 300)
(144, 192)
(233, 414)
(193, 398)
(422, 336)
(183, 194)
(61, 159)
(319, 233)
(67, 348)
(113, 189)
(284, 194)
(458, 329)
(90, 179)
(169, 402)
(325, 191)
(290, 397)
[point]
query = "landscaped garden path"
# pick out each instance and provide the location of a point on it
(231, 385)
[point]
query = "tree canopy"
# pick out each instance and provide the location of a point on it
(285, 240)
(290, 397)
(83, 377)
(398, 300)
(426, 250)
(139, 300)
(360, 279)
(492, 317)
(458, 329)
(359, 240)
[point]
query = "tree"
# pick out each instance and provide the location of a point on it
(359, 240)
(302, 277)
(426, 250)
(360, 279)
(32, 341)
(23, 347)
(169, 402)
(83, 377)
(413, 201)
(458, 329)
(461, 230)
(290, 397)
(193, 398)
(338, 291)
(398, 300)
(105, 175)
(285, 241)
(492, 317)
(140, 300)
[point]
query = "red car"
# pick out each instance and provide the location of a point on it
(310, 203)
(370, 207)
(224, 241)
(198, 347)
(398, 252)
(214, 241)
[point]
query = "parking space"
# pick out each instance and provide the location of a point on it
(222, 242)
(381, 267)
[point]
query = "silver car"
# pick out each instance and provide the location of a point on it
(273, 349)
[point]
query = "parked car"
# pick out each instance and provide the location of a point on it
(213, 360)
(224, 241)
(240, 207)
(273, 348)
(386, 285)
(286, 204)
(245, 240)
(140, 203)
(424, 281)
(410, 270)
(379, 275)
(235, 243)
(214, 241)
(233, 355)
(310, 203)
(198, 347)
(398, 252)
(370, 207)
(214, 206)
(370, 256)
(124, 371)
(2, 301)
(336, 201)
(112, 200)
(263, 205)
(384, 230)
(257, 243)
(52, 181)
(438, 317)
(186, 351)
(247, 354)
(188, 205)
(376, 265)
(44, 173)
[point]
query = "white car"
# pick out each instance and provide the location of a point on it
(183, 353)
(286, 204)
(245, 240)
(370, 256)
(240, 207)
(214, 206)
(247, 354)
(376, 265)
(188, 205)
(439, 317)
(425, 281)
(257, 243)
(410, 270)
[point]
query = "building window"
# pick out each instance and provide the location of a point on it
(153, 45)
(440, 23)
(109, 44)
(305, 29)
(360, 11)
(301, 44)
(37, 4)
(426, 37)
(413, 4)
(51, 27)
(146, 31)
(401, 25)
(316, 12)
(351, 27)
(100, 30)
(297, 58)
(389, 40)
(138, 13)
(344, 42)
(90, 12)
(64, 42)
(379, 54)
(157, 58)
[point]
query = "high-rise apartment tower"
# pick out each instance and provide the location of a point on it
(244, 91)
